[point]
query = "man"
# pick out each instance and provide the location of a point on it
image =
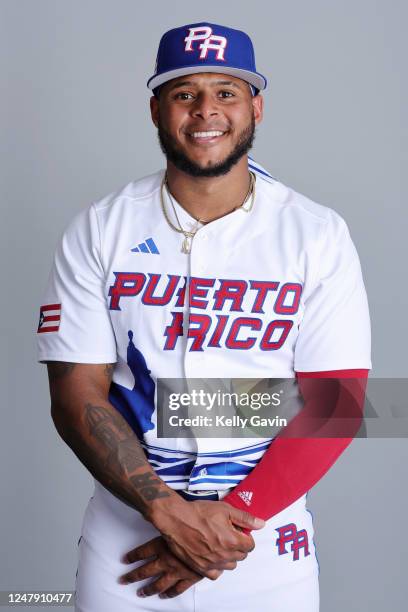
(210, 268)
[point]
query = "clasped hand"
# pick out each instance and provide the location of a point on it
(199, 539)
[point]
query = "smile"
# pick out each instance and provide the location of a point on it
(206, 134)
(206, 137)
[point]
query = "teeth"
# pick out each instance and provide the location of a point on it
(206, 134)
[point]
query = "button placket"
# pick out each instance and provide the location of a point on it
(199, 253)
(193, 360)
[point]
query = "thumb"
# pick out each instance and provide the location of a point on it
(245, 520)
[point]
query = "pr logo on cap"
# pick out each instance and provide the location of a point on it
(205, 47)
(211, 41)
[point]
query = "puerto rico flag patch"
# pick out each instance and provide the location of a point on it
(50, 317)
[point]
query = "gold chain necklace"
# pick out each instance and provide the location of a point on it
(189, 235)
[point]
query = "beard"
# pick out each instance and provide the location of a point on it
(182, 162)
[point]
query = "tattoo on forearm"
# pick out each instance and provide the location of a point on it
(59, 369)
(129, 456)
(125, 453)
(104, 426)
(148, 486)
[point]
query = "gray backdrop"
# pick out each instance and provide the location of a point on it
(76, 127)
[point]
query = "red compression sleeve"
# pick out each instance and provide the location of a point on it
(293, 465)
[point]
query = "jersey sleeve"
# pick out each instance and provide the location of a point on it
(296, 460)
(74, 323)
(334, 333)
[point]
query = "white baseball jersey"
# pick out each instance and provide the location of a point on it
(263, 294)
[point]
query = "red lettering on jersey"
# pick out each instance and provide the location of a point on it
(232, 342)
(216, 337)
(262, 288)
(267, 344)
(294, 288)
(199, 333)
(197, 291)
(127, 284)
(181, 295)
(233, 290)
(151, 300)
(173, 331)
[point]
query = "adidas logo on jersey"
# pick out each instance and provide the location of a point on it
(148, 246)
(246, 497)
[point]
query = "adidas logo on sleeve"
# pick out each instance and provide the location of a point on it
(246, 497)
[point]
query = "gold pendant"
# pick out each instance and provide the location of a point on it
(186, 246)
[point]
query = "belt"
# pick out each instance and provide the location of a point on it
(202, 495)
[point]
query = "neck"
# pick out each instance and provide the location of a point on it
(208, 199)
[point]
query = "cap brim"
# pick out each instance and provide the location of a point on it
(254, 78)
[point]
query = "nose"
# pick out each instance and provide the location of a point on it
(205, 106)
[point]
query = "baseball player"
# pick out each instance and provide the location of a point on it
(208, 268)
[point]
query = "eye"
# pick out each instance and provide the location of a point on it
(183, 95)
(226, 94)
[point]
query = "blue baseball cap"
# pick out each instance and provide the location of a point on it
(205, 47)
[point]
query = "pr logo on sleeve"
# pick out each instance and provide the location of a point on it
(50, 317)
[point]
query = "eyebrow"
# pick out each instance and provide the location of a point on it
(213, 84)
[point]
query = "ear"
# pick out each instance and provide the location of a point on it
(258, 106)
(154, 110)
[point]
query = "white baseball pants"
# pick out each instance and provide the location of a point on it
(280, 575)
